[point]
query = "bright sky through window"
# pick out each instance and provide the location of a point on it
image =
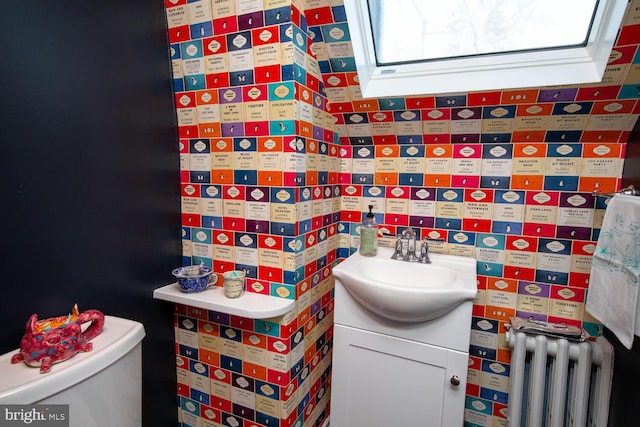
(413, 30)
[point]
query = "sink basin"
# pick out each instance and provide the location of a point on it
(408, 291)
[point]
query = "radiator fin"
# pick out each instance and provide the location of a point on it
(557, 383)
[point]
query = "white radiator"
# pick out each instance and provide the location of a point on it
(557, 383)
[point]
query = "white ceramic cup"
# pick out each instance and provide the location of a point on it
(233, 283)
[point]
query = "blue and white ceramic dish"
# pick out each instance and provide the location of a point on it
(194, 278)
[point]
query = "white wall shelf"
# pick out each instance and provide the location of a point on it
(250, 305)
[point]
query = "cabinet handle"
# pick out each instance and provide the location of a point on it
(455, 381)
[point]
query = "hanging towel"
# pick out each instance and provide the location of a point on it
(615, 269)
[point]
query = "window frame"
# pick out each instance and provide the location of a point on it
(574, 65)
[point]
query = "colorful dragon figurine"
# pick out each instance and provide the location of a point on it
(56, 339)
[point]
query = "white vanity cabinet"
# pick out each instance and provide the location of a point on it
(388, 373)
(379, 380)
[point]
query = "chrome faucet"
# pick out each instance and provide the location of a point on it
(410, 235)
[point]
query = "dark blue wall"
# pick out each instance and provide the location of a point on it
(89, 177)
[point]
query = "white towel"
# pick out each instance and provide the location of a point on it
(615, 269)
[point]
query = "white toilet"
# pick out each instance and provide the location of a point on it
(102, 387)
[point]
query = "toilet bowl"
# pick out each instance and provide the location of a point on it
(102, 387)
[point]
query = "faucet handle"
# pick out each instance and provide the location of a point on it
(397, 253)
(424, 252)
(424, 249)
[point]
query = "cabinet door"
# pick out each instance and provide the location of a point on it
(382, 381)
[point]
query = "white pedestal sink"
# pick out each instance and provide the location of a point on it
(408, 291)
(401, 341)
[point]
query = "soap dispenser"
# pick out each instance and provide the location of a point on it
(369, 235)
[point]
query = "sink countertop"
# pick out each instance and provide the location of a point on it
(250, 305)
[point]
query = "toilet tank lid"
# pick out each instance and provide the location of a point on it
(22, 384)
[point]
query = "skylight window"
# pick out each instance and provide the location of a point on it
(405, 47)
(412, 30)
